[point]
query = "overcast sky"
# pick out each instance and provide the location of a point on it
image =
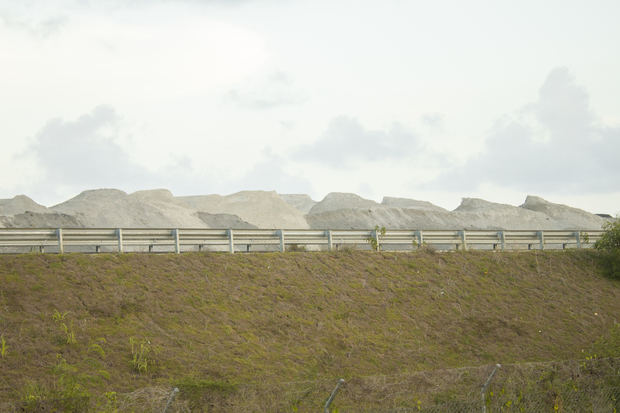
(432, 100)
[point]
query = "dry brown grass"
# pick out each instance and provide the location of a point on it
(250, 328)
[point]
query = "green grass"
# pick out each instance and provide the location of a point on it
(273, 332)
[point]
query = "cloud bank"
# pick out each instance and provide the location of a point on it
(555, 144)
(346, 142)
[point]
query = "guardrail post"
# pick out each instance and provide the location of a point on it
(282, 243)
(420, 237)
(502, 240)
(119, 234)
(231, 241)
(177, 245)
(578, 238)
(330, 244)
(463, 240)
(61, 244)
(541, 240)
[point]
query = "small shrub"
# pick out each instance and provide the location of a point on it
(609, 249)
(295, 248)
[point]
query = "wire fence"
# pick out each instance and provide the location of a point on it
(591, 385)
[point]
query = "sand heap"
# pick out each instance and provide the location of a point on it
(23, 212)
(102, 208)
(564, 216)
(349, 211)
(407, 203)
(264, 209)
(477, 213)
(301, 202)
(20, 204)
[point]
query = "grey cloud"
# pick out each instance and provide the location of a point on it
(574, 153)
(433, 120)
(83, 153)
(270, 174)
(346, 141)
(40, 28)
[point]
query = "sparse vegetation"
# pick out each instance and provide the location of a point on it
(374, 240)
(272, 332)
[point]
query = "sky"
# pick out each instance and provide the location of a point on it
(431, 100)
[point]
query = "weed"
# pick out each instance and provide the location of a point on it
(111, 403)
(59, 318)
(374, 240)
(32, 394)
(139, 355)
(3, 346)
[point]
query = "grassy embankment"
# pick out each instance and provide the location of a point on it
(273, 332)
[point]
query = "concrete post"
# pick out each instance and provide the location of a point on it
(119, 234)
(177, 245)
(61, 245)
(578, 238)
(541, 239)
(282, 243)
(330, 244)
(231, 241)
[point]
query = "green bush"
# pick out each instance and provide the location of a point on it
(609, 249)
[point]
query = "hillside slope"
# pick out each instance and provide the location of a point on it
(269, 320)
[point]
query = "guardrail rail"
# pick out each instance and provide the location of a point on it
(15, 240)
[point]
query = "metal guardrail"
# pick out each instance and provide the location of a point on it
(177, 239)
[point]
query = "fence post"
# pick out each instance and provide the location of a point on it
(502, 239)
(61, 244)
(332, 396)
(119, 235)
(177, 245)
(330, 244)
(484, 388)
(541, 240)
(578, 238)
(282, 242)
